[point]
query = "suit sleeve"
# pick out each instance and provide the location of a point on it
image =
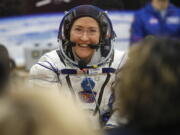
(44, 73)
(137, 29)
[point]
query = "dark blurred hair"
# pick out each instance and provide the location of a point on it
(4, 67)
(148, 86)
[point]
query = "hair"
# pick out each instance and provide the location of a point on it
(4, 67)
(41, 112)
(148, 86)
(96, 13)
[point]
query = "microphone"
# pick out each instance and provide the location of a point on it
(82, 64)
(94, 46)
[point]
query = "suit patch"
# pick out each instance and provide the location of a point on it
(173, 20)
(87, 84)
(153, 21)
(87, 96)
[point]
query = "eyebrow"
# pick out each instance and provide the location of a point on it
(91, 27)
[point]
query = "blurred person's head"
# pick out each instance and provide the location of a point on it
(148, 86)
(41, 112)
(160, 4)
(4, 67)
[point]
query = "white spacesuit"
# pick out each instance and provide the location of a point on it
(90, 82)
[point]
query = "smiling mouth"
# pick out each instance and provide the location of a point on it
(83, 45)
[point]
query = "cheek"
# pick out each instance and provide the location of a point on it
(73, 36)
(96, 39)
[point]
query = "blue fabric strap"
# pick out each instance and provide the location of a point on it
(77, 71)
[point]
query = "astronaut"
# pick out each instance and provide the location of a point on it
(159, 18)
(85, 63)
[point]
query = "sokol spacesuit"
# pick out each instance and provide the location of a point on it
(88, 82)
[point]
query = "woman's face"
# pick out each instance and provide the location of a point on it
(84, 31)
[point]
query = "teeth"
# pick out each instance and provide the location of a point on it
(83, 45)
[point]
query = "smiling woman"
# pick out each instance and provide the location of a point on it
(85, 31)
(85, 63)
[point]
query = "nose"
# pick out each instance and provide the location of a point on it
(84, 36)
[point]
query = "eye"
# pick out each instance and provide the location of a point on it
(78, 29)
(93, 30)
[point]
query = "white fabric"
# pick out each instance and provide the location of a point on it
(41, 75)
